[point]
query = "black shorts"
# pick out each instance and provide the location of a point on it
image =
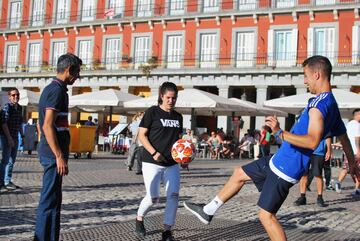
(316, 165)
(274, 190)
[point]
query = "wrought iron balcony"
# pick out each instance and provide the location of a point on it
(171, 8)
(214, 62)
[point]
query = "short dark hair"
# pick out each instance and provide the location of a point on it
(12, 89)
(89, 117)
(356, 110)
(318, 62)
(68, 60)
(165, 87)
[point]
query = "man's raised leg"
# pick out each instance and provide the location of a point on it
(230, 189)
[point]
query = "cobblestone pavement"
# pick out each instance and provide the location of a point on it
(100, 199)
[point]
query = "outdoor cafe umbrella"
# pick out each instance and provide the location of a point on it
(110, 100)
(29, 99)
(346, 100)
(261, 111)
(197, 102)
(193, 101)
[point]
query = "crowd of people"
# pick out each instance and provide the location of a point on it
(303, 152)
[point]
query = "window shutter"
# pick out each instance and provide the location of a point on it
(271, 47)
(310, 42)
(355, 44)
(294, 47)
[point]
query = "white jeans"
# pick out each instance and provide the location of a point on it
(153, 176)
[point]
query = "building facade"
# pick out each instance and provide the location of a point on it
(249, 49)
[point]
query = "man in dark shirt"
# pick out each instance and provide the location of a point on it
(54, 146)
(11, 122)
(89, 122)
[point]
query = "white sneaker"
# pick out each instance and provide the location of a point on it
(338, 187)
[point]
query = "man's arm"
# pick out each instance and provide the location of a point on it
(50, 135)
(7, 134)
(353, 168)
(328, 149)
(311, 140)
(357, 144)
(142, 132)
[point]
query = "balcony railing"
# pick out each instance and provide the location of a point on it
(247, 61)
(170, 8)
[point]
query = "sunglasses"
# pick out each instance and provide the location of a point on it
(13, 95)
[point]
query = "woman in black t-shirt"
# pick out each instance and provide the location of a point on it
(159, 129)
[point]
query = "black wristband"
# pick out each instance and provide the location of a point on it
(154, 153)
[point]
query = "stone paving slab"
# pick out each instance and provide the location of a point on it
(189, 228)
(101, 192)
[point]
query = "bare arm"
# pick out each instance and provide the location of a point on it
(50, 135)
(328, 149)
(357, 143)
(262, 137)
(353, 168)
(311, 140)
(142, 133)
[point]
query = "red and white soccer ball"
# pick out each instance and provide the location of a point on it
(183, 151)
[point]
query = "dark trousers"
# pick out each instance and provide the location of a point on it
(48, 213)
(134, 155)
(327, 174)
(265, 150)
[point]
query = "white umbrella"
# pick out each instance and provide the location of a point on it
(260, 110)
(198, 102)
(29, 98)
(347, 102)
(100, 100)
(194, 101)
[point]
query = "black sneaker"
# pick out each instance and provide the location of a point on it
(11, 186)
(197, 210)
(139, 173)
(167, 236)
(320, 202)
(329, 188)
(300, 201)
(129, 168)
(140, 228)
(3, 189)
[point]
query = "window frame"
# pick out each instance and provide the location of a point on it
(165, 47)
(234, 46)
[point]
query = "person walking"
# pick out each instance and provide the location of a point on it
(54, 144)
(353, 131)
(274, 176)
(265, 141)
(316, 164)
(134, 147)
(11, 125)
(159, 129)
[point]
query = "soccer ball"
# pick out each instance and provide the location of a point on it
(183, 151)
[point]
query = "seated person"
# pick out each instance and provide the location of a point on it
(215, 143)
(246, 145)
(227, 151)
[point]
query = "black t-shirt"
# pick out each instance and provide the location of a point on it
(164, 129)
(55, 97)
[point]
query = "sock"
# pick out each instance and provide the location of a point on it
(302, 194)
(319, 195)
(213, 206)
